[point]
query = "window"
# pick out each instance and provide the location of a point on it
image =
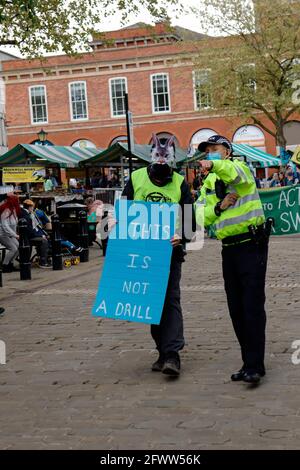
(160, 93)
(247, 81)
(38, 104)
(78, 100)
(117, 89)
(202, 87)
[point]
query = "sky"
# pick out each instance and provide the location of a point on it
(188, 21)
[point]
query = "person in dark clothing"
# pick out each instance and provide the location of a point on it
(159, 182)
(36, 235)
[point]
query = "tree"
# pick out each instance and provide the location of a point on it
(36, 27)
(254, 69)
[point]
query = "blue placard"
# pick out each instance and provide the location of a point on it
(137, 264)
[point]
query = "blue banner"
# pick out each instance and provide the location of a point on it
(137, 264)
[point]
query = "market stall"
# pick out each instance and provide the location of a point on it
(114, 161)
(27, 166)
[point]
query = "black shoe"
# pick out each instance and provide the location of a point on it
(6, 268)
(172, 365)
(252, 377)
(238, 375)
(78, 250)
(2, 310)
(14, 268)
(157, 366)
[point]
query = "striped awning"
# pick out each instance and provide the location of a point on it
(253, 154)
(250, 153)
(119, 149)
(65, 156)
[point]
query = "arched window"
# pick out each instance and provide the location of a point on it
(120, 138)
(38, 142)
(200, 136)
(83, 144)
(291, 132)
(250, 135)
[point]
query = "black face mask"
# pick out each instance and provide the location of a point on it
(160, 172)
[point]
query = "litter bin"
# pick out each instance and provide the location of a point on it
(69, 220)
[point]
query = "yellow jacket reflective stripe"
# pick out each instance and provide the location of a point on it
(248, 209)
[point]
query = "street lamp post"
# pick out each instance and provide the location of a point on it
(42, 135)
(129, 132)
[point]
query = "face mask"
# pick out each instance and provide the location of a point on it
(214, 156)
(160, 171)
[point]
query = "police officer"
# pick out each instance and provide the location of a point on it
(234, 211)
(159, 182)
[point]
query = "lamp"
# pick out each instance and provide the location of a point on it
(42, 135)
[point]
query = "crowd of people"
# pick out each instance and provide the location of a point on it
(98, 180)
(38, 229)
(289, 176)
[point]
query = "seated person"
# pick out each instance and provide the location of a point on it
(95, 210)
(36, 235)
(45, 224)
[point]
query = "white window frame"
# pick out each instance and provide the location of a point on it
(113, 116)
(86, 101)
(152, 93)
(196, 107)
(244, 66)
(30, 105)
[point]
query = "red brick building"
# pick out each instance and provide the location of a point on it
(81, 100)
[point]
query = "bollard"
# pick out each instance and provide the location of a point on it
(57, 263)
(104, 229)
(24, 251)
(1, 281)
(83, 237)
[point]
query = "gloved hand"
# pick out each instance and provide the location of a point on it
(229, 200)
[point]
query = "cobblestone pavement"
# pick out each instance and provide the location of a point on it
(75, 382)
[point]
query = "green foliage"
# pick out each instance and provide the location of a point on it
(253, 70)
(36, 27)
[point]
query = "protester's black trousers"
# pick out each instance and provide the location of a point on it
(168, 335)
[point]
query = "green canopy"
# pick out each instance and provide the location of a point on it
(64, 156)
(251, 154)
(120, 149)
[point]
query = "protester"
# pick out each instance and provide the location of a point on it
(36, 235)
(9, 213)
(257, 182)
(159, 182)
(281, 178)
(289, 176)
(275, 181)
